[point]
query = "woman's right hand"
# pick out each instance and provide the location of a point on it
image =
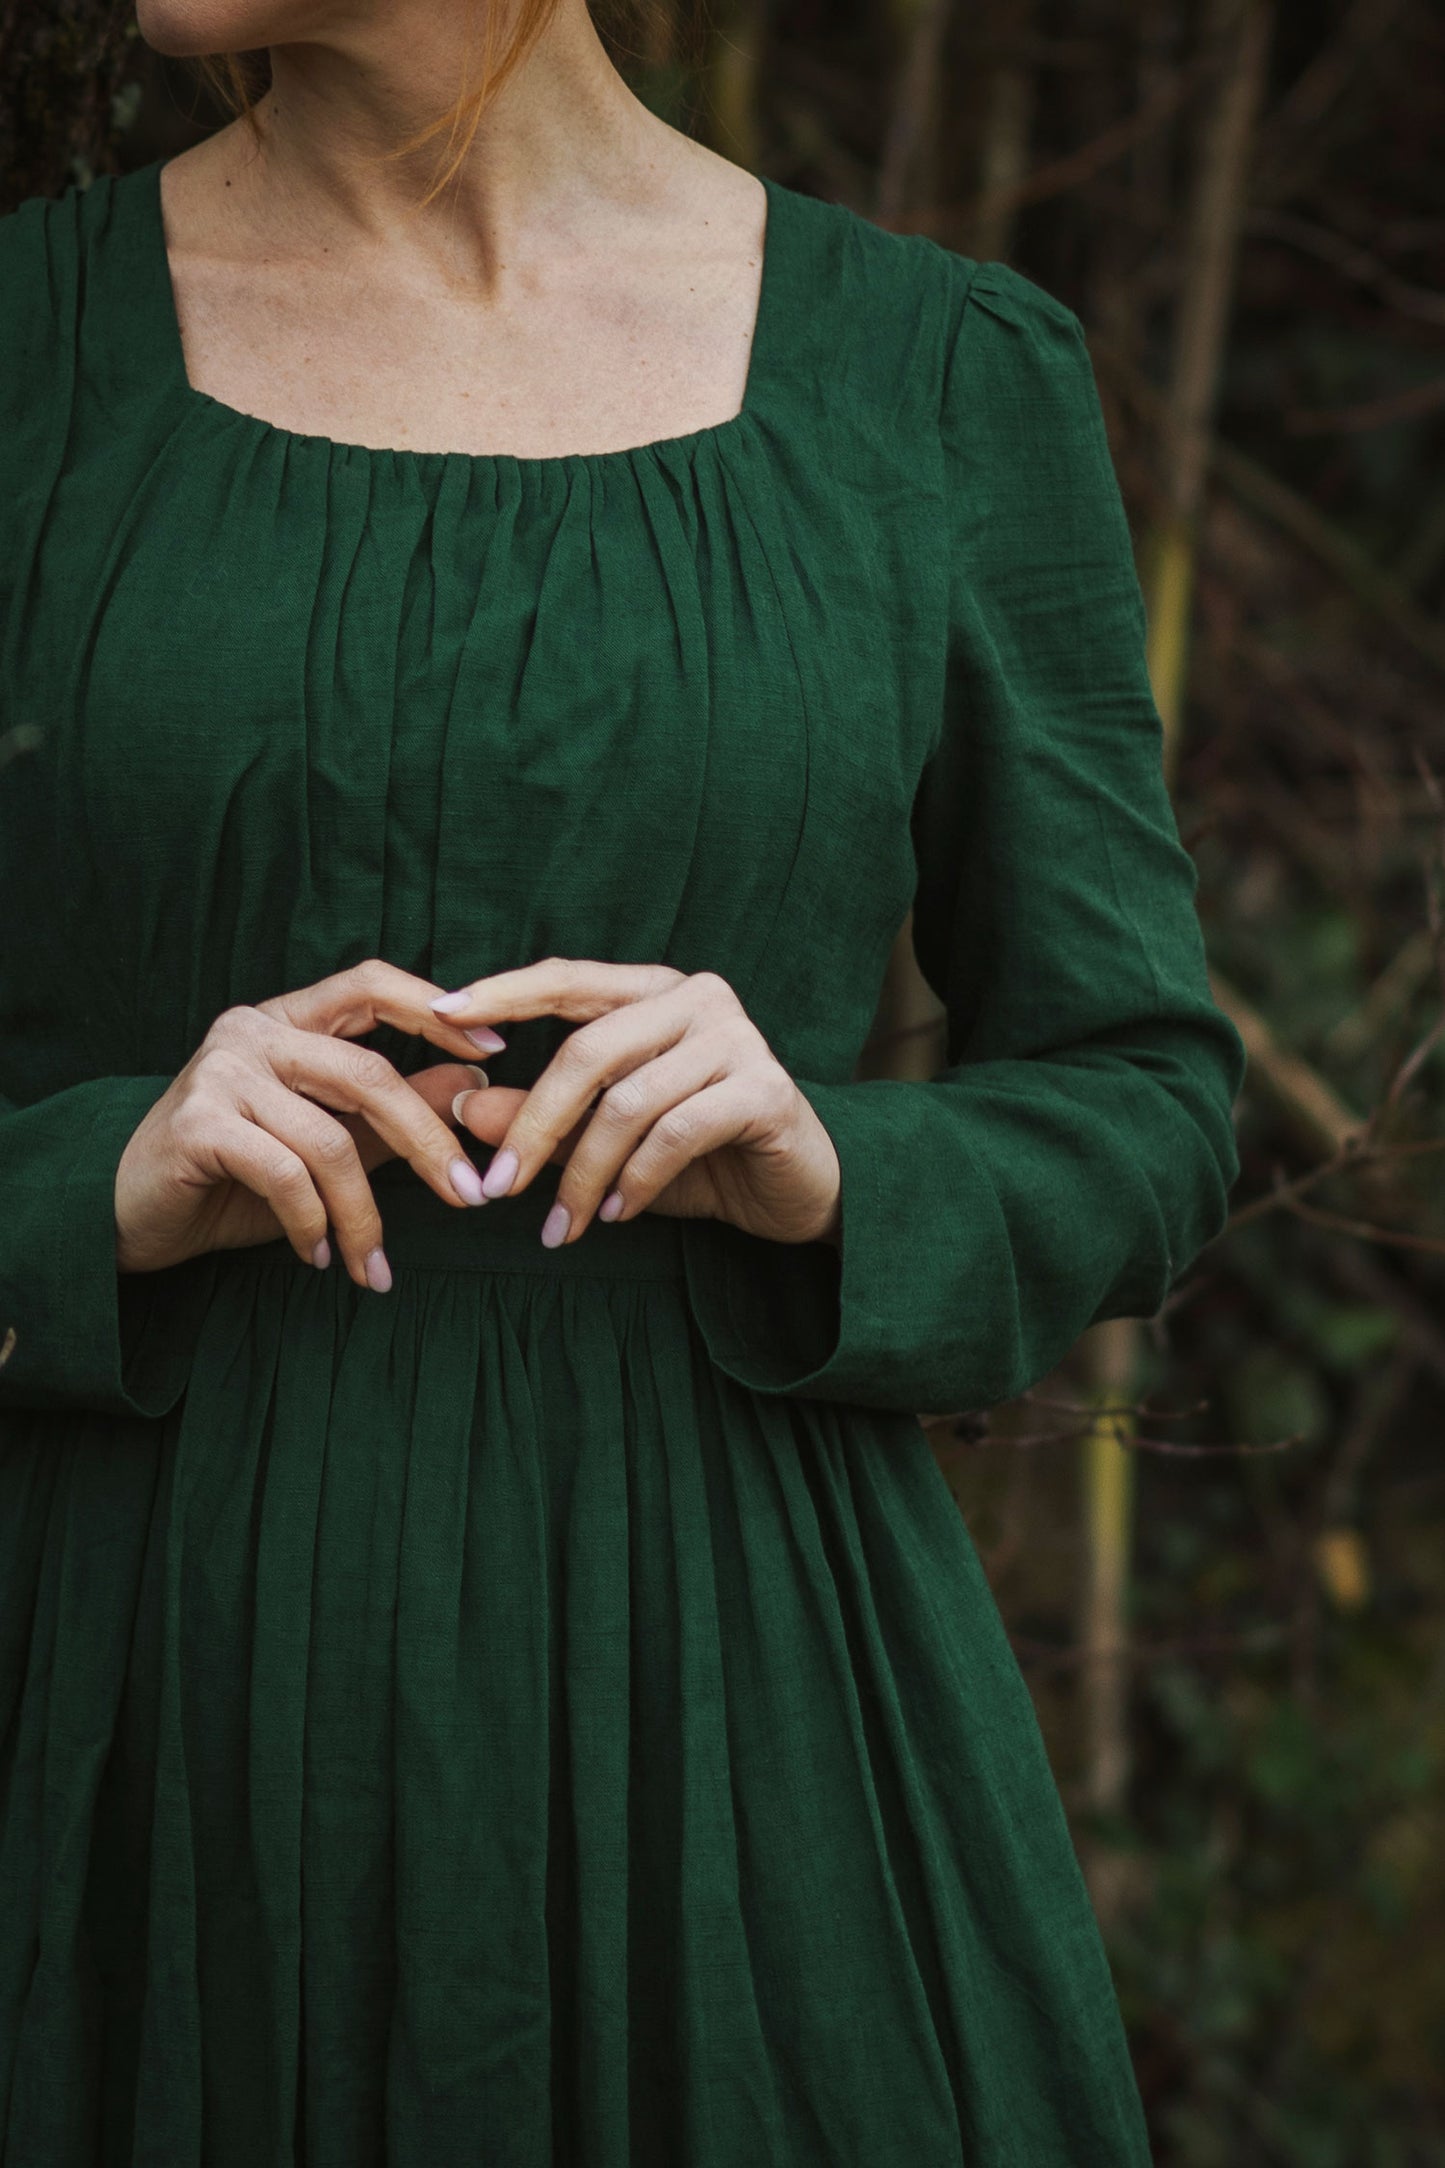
(270, 1128)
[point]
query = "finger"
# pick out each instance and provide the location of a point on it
(488, 1115)
(571, 987)
(259, 1161)
(357, 1080)
(329, 1153)
(446, 1084)
(442, 1086)
(722, 1114)
(351, 1003)
(593, 1061)
(627, 1112)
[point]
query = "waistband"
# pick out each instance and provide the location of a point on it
(419, 1232)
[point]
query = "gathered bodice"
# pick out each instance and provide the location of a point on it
(462, 711)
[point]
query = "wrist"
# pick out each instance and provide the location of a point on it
(829, 1228)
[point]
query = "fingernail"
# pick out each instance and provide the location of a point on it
(469, 1089)
(378, 1271)
(448, 1004)
(611, 1205)
(501, 1173)
(555, 1225)
(321, 1255)
(482, 1035)
(465, 1179)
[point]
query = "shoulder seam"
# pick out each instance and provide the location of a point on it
(1008, 283)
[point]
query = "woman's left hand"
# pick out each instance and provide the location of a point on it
(667, 1099)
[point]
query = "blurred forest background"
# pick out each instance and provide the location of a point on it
(1215, 1536)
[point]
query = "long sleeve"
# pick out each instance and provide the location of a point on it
(1076, 1153)
(86, 1336)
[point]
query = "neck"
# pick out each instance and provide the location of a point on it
(561, 142)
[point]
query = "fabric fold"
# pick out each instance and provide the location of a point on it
(86, 1335)
(554, 1710)
(1077, 1151)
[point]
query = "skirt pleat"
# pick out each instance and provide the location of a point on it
(472, 1729)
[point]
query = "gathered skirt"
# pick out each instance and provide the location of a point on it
(471, 1729)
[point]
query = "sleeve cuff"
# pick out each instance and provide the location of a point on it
(86, 1336)
(802, 1318)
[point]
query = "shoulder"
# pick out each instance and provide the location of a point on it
(1017, 343)
(1019, 392)
(42, 248)
(37, 244)
(42, 242)
(902, 313)
(866, 313)
(75, 282)
(877, 263)
(999, 294)
(848, 246)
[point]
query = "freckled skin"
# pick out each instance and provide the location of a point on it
(588, 281)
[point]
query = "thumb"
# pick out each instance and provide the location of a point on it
(438, 1086)
(488, 1113)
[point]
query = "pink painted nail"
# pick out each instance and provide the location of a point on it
(611, 1205)
(467, 1182)
(502, 1172)
(490, 1042)
(448, 1004)
(555, 1225)
(321, 1255)
(378, 1271)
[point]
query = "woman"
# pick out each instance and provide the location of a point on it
(507, 1682)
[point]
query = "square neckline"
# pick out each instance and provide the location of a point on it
(683, 441)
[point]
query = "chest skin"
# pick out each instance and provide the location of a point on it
(636, 328)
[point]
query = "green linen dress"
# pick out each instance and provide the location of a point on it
(554, 1712)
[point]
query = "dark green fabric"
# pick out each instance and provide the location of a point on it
(554, 1712)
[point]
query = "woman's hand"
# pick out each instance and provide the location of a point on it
(275, 1121)
(693, 1114)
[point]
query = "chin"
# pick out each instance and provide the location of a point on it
(183, 28)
